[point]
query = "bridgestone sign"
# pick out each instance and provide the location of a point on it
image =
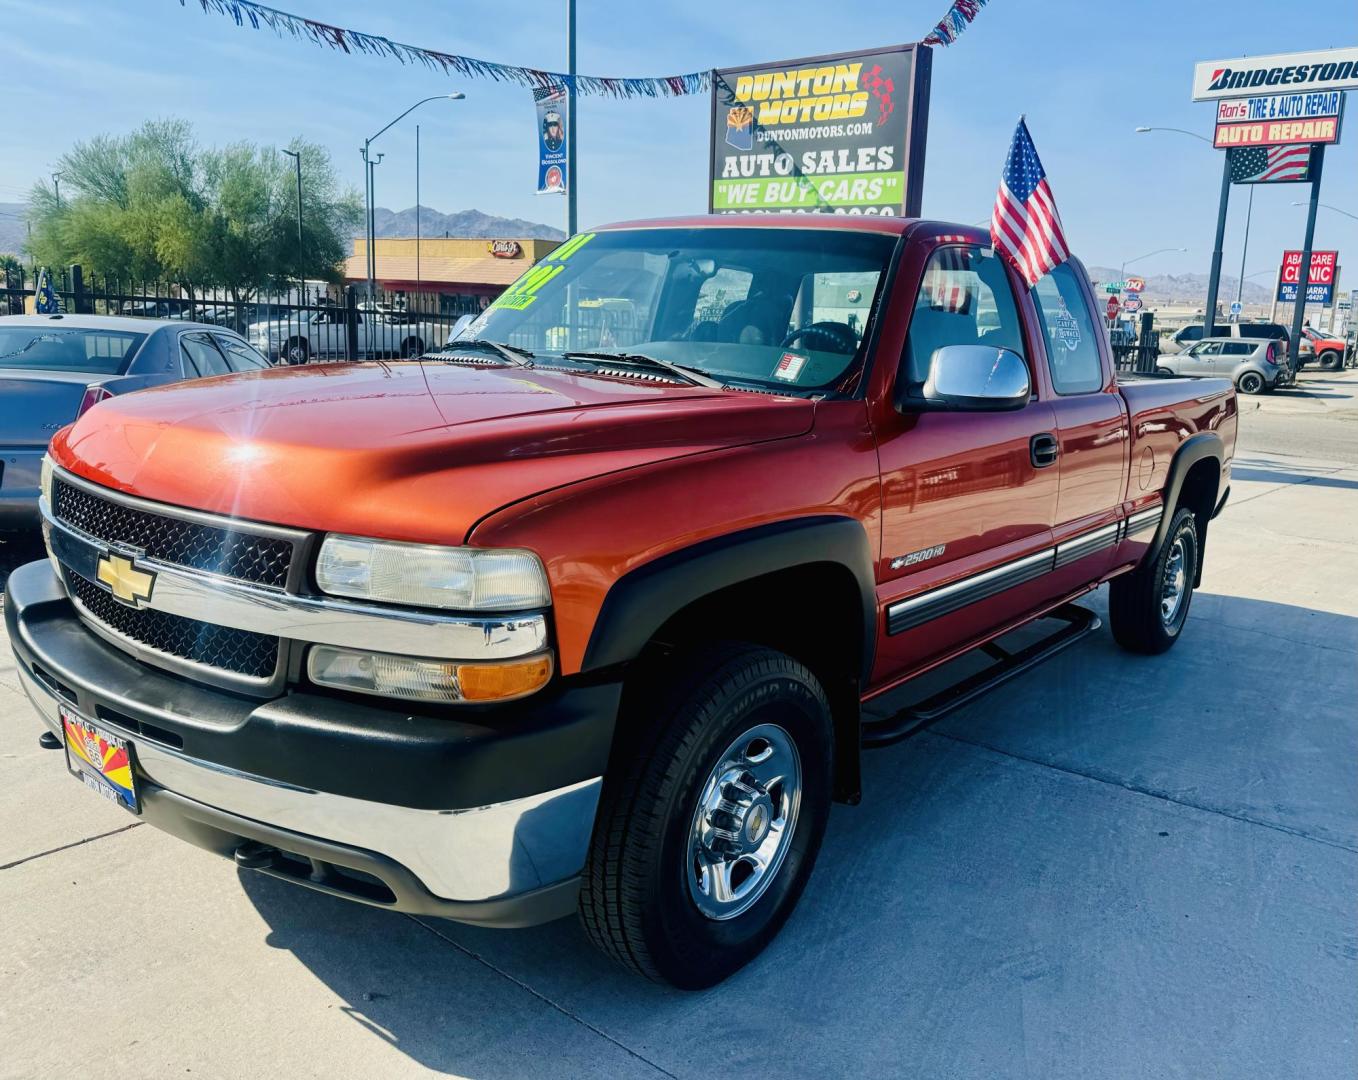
(1283, 73)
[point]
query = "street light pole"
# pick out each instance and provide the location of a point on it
(56, 180)
(1122, 272)
(1209, 313)
(572, 179)
(417, 208)
(1327, 206)
(1240, 285)
(456, 95)
(296, 156)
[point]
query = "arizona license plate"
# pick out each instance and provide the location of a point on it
(99, 758)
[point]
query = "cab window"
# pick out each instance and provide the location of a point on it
(964, 299)
(1070, 333)
(239, 355)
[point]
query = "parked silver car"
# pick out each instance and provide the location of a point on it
(54, 367)
(1253, 364)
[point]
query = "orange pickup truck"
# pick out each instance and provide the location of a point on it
(582, 612)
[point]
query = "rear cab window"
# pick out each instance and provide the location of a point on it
(1070, 332)
(201, 357)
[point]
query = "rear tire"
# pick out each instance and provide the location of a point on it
(1250, 383)
(1147, 608)
(412, 348)
(734, 740)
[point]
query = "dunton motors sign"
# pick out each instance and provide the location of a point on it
(1282, 73)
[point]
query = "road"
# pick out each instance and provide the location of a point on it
(1114, 867)
(1317, 419)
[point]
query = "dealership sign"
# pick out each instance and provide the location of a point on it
(842, 134)
(1282, 73)
(1280, 120)
(1319, 283)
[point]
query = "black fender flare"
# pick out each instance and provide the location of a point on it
(1203, 446)
(642, 601)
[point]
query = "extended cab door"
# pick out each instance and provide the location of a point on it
(1092, 426)
(968, 499)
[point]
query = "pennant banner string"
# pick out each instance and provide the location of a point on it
(247, 12)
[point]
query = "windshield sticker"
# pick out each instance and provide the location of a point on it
(570, 247)
(1067, 328)
(789, 367)
(524, 291)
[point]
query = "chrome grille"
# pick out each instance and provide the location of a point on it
(242, 555)
(242, 652)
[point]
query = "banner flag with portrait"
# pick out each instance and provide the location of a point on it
(552, 136)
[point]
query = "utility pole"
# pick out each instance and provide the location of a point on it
(1304, 271)
(572, 178)
(1209, 314)
(296, 156)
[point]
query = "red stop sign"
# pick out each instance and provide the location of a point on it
(1112, 307)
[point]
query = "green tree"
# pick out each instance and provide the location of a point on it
(154, 204)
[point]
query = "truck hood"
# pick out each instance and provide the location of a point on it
(403, 451)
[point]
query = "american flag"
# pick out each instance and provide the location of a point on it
(1024, 224)
(1270, 164)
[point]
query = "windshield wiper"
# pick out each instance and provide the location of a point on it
(513, 353)
(691, 375)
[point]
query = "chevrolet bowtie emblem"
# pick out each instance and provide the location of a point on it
(125, 581)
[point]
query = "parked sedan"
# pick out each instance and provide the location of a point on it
(55, 367)
(1253, 364)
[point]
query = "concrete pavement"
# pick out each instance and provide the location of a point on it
(1115, 866)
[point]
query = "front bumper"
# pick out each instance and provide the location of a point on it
(480, 815)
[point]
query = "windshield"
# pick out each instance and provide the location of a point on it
(787, 308)
(56, 348)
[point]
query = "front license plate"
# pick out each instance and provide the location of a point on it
(99, 758)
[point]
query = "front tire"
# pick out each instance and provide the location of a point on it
(412, 348)
(1148, 607)
(711, 820)
(296, 351)
(1331, 361)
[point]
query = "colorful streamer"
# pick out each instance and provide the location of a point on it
(350, 41)
(957, 19)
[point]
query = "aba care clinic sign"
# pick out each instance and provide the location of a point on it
(1319, 282)
(840, 134)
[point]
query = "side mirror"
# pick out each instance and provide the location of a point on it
(972, 378)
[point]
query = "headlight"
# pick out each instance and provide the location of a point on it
(427, 680)
(422, 575)
(45, 479)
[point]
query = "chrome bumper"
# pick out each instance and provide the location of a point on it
(485, 853)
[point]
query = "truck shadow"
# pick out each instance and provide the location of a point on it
(1092, 866)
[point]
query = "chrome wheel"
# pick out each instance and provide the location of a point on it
(1175, 583)
(743, 825)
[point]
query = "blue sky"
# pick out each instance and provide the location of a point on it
(1084, 73)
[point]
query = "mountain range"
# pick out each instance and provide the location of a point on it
(460, 223)
(13, 227)
(1186, 288)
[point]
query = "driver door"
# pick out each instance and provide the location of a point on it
(967, 497)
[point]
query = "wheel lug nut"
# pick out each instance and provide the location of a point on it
(720, 819)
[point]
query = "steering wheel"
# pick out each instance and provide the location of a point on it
(825, 337)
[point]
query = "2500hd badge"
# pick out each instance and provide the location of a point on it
(580, 614)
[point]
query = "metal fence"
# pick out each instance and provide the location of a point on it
(309, 321)
(1136, 352)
